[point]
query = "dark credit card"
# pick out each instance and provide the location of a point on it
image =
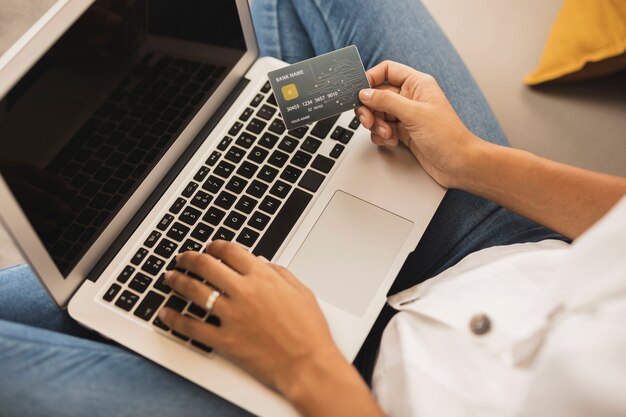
(319, 87)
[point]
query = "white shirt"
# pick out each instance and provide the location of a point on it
(557, 339)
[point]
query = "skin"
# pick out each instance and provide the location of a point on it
(271, 324)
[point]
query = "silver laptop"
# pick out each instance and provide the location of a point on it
(128, 139)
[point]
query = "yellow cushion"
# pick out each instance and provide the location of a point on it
(587, 40)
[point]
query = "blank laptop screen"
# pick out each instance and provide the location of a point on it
(88, 122)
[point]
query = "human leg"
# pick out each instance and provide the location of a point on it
(45, 373)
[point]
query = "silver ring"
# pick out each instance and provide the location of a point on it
(210, 302)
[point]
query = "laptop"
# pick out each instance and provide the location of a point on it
(131, 134)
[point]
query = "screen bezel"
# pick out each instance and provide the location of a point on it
(27, 51)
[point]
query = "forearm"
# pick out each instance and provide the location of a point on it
(330, 387)
(563, 198)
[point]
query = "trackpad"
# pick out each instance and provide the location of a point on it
(349, 251)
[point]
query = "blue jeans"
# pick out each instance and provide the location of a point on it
(51, 366)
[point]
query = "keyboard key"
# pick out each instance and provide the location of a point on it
(127, 300)
(288, 144)
(176, 303)
(223, 234)
(267, 173)
(282, 224)
(178, 231)
(258, 155)
(212, 160)
(235, 154)
(224, 143)
(268, 140)
(257, 189)
(355, 123)
(111, 292)
(246, 114)
(277, 126)
(165, 222)
(153, 265)
(323, 127)
(149, 305)
(139, 256)
(256, 125)
(269, 204)
(311, 181)
(201, 174)
(247, 237)
(157, 322)
(347, 135)
(190, 246)
(201, 200)
(234, 131)
(224, 169)
(189, 189)
(235, 220)
(166, 248)
(337, 150)
(190, 215)
(299, 132)
(214, 216)
(161, 285)
(213, 184)
(266, 87)
(301, 159)
(246, 140)
(247, 169)
(245, 204)
(272, 100)
(201, 346)
(202, 232)
(278, 159)
(196, 310)
(140, 282)
(225, 200)
(280, 189)
(311, 145)
(236, 185)
(259, 221)
(125, 274)
(257, 100)
(180, 335)
(266, 112)
(321, 163)
(178, 205)
(337, 133)
(291, 173)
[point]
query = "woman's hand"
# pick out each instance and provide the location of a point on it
(271, 324)
(407, 106)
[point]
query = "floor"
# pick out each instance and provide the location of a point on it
(501, 41)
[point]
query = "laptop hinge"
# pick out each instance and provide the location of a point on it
(163, 186)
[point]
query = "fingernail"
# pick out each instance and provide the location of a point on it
(390, 142)
(381, 131)
(263, 258)
(163, 314)
(366, 94)
(362, 119)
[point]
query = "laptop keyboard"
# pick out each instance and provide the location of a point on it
(116, 146)
(252, 189)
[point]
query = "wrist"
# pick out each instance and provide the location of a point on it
(472, 163)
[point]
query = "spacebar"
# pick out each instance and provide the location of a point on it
(282, 224)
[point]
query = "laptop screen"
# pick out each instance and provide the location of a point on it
(89, 121)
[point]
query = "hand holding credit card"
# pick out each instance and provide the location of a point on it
(319, 87)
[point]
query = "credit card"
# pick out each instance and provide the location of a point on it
(319, 87)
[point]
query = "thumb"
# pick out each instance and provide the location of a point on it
(389, 102)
